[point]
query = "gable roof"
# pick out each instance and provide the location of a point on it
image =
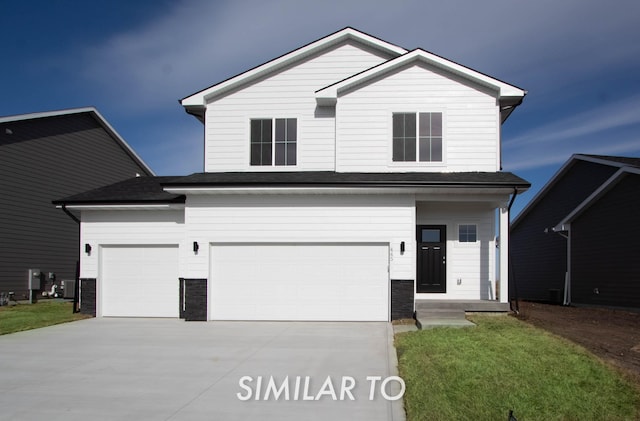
(197, 101)
(93, 112)
(624, 163)
(509, 95)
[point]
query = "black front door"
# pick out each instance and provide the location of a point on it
(432, 258)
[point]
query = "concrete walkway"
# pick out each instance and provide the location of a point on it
(145, 369)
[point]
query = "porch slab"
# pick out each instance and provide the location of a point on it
(427, 319)
(464, 305)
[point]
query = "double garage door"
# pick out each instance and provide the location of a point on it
(346, 282)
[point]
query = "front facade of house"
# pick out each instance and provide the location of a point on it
(576, 241)
(343, 181)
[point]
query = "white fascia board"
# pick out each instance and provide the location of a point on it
(565, 224)
(165, 206)
(200, 99)
(329, 93)
(452, 193)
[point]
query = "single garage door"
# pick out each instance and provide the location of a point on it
(139, 281)
(346, 282)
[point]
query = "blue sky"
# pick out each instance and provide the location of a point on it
(133, 60)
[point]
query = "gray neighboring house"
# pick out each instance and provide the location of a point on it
(44, 156)
(578, 240)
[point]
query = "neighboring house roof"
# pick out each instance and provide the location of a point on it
(196, 102)
(137, 190)
(510, 96)
(626, 165)
(152, 190)
(96, 115)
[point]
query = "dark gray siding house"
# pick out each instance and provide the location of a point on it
(577, 241)
(45, 156)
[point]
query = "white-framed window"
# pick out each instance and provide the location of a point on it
(417, 137)
(273, 141)
(467, 233)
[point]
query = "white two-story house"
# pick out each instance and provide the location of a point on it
(346, 180)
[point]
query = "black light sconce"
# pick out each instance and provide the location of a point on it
(87, 248)
(196, 247)
(402, 247)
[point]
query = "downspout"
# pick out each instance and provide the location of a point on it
(567, 277)
(516, 308)
(76, 286)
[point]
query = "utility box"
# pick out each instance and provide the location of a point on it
(68, 289)
(35, 279)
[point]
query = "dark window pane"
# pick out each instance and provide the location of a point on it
(436, 124)
(436, 149)
(280, 153)
(398, 149)
(266, 154)
(280, 129)
(425, 150)
(266, 131)
(292, 128)
(398, 125)
(256, 154)
(425, 124)
(410, 150)
(256, 130)
(410, 125)
(467, 234)
(430, 235)
(291, 153)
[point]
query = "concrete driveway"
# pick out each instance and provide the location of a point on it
(162, 369)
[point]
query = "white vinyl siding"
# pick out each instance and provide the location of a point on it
(127, 227)
(302, 219)
(286, 94)
(470, 116)
(470, 266)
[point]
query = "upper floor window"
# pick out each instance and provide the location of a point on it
(417, 137)
(273, 144)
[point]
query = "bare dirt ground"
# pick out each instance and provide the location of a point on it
(613, 335)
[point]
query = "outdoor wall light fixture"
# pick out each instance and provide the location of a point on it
(87, 248)
(402, 247)
(196, 247)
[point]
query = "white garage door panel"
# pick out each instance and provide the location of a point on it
(300, 282)
(140, 281)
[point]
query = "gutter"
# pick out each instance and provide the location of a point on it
(567, 276)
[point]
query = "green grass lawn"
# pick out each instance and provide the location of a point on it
(32, 316)
(481, 373)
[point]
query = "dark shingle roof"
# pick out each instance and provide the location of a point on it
(134, 190)
(141, 190)
(330, 178)
(634, 162)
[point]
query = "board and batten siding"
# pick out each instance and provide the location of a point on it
(471, 122)
(41, 160)
(128, 227)
(302, 219)
(471, 263)
(288, 93)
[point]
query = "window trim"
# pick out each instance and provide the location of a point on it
(247, 142)
(417, 162)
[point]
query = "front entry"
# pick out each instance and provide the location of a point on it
(432, 258)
